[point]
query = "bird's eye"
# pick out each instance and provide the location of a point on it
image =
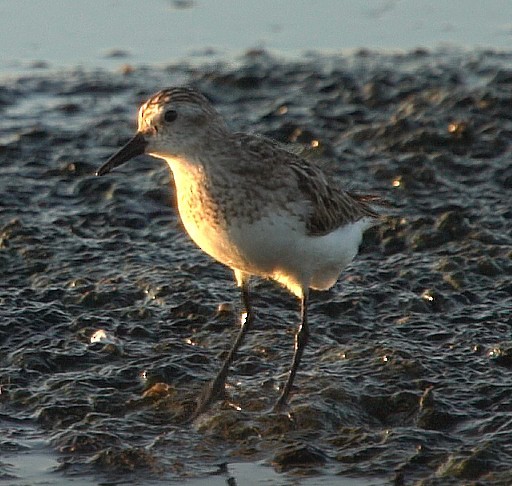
(170, 115)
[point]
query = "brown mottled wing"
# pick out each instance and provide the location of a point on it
(331, 207)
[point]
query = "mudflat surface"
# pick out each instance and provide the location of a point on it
(111, 321)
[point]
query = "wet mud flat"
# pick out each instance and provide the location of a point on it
(111, 321)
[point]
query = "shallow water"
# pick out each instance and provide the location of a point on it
(110, 33)
(407, 375)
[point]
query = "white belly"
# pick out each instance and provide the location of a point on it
(278, 248)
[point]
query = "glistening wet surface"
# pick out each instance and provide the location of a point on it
(112, 321)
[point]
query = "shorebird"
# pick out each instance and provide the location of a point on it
(251, 205)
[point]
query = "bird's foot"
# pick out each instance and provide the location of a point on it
(281, 406)
(212, 393)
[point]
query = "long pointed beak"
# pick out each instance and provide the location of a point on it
(134, 147)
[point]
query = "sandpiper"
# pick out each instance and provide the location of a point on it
(253, 206)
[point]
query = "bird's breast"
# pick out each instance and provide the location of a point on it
(240, 226)
(208, 211)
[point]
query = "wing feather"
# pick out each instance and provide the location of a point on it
(330, 205)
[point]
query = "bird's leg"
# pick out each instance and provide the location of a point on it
(215, 389)
(301, 339)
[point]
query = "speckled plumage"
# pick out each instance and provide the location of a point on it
(329, 205)
(250, 204)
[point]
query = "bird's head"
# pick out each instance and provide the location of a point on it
(171, 124)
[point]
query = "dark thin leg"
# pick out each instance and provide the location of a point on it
(301, 339)
(215, 389)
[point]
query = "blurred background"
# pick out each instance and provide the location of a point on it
(100, 32)
(111, 321)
